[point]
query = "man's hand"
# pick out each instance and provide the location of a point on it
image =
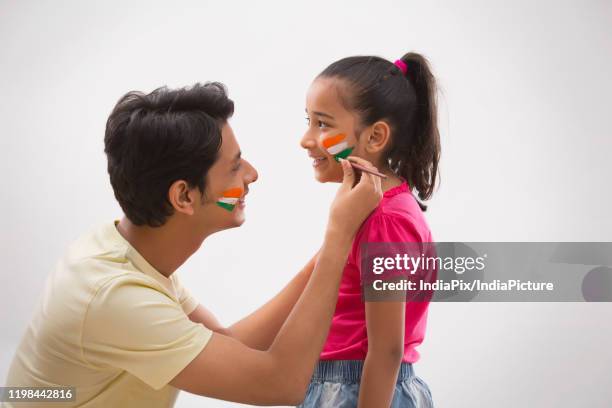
(354, 202)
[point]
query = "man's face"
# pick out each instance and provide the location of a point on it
(227, 184)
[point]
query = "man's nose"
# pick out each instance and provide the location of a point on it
(251, 174)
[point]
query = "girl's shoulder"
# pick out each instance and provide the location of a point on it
(398, 218)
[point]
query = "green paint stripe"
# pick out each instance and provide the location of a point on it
(228, 207)
(343, 154)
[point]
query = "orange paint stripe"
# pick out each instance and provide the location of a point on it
(233, 193)
(330, 141)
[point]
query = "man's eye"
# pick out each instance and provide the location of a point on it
(323, 124)
(236, 167)
(307, 120)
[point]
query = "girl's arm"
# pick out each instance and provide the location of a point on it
(385, 326)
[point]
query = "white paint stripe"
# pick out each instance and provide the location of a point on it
(335, 149)
(228, 200)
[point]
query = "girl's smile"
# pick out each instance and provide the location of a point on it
(317, 161)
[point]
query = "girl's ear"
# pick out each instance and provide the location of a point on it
(378, 137)
(181, 197)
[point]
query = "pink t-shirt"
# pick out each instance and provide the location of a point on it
(398, 218)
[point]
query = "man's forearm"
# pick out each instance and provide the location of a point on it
(300, 340)
(228, 369)
(259, 329)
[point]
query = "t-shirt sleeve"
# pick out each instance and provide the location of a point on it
(389, 228)
(385, 236)
(132, 325)
(186, 299)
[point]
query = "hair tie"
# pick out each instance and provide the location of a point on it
(402, 66)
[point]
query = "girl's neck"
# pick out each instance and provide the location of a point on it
(391, 181)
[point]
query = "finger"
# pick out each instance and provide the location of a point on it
(348, 178)
(363, 162)
(367, 180)
(378, 184)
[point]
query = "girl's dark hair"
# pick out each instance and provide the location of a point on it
(377, 90)
(154, 139)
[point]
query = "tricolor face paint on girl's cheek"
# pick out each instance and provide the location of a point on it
(229, 198)
(337, 146)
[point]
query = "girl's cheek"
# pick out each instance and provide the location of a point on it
(338, 145)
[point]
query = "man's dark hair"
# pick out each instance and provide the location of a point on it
(154, 139)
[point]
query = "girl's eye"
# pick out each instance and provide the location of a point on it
(236, 167)
(319, 123)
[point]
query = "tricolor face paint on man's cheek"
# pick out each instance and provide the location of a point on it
(337, 146)
(230, 198)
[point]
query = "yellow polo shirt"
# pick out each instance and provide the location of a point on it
(110, 325)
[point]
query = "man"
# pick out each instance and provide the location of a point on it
(114, 320)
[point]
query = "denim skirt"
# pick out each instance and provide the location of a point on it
(335, 384)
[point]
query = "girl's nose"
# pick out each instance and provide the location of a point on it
(308, 142)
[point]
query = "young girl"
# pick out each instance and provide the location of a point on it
(385, 113)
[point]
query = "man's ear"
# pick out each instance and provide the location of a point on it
(181, 197)
(378, 137)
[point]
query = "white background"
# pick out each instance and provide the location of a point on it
(524, 115)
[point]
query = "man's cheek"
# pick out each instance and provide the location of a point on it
(229, 198)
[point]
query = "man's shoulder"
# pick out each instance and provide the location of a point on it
(95, 259)
(100, 265)
(94, 245)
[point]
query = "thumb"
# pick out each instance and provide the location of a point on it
(348, 179)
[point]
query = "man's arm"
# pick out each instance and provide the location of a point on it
(230, 370)
(203, 316)
(259, 329)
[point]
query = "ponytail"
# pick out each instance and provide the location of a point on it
(417, 158)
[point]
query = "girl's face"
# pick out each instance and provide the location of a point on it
(328, 121)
